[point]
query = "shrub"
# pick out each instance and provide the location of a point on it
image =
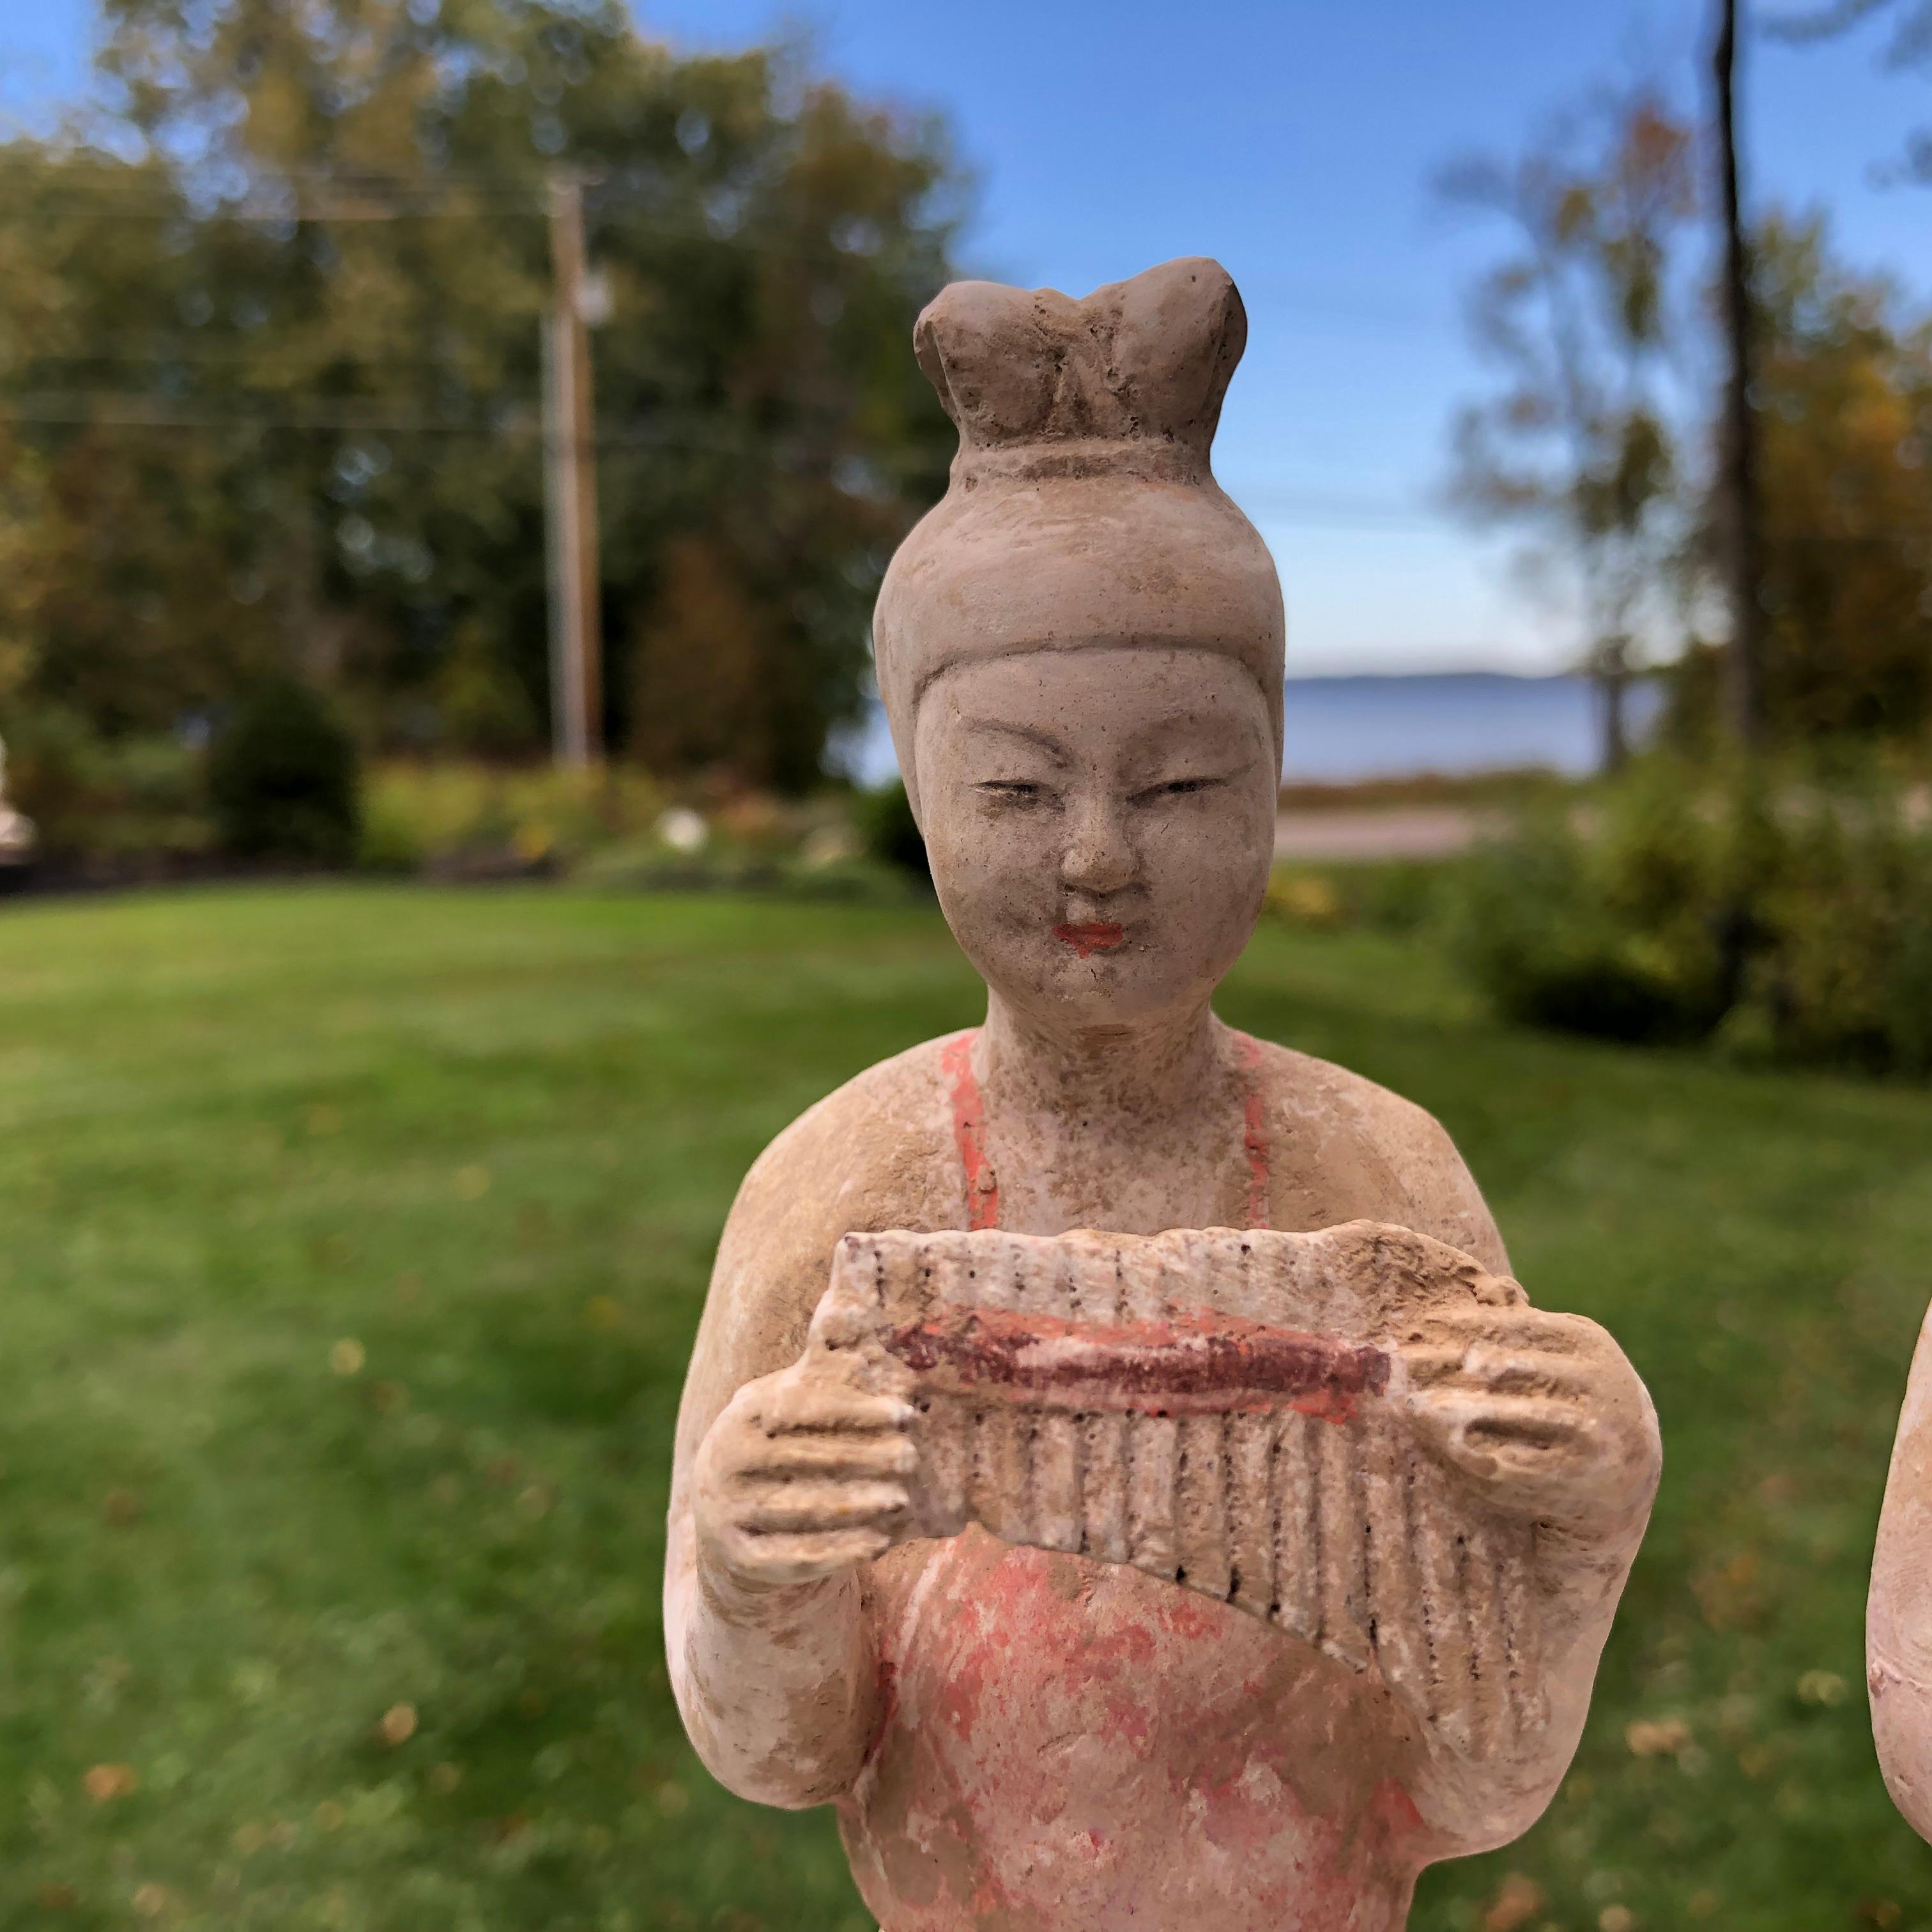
(889, 831)
(1536, 922)
(136, 798)
(439, 813)
(283, 779)
(1393, 895)
(1789, 920)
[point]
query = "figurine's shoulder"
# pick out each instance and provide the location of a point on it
(1318, 1094)
(1352, 1148)
(874, 1153)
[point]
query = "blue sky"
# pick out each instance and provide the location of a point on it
(1295, 143)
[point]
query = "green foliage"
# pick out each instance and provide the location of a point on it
(889, 831)
(137, 797)
(1788, 925)
(418, 815)
(283, 778)
(489, 1138)
(1389, 895)
(277, 376)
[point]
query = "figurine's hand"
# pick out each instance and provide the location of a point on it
(804, 1474)
(1542, 1411)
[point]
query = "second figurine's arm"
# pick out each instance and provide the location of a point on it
(1898, 1619)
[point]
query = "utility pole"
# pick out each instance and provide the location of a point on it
(570, 490)
(1738, 444)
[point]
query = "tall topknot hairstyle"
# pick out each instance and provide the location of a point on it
(1082, 510)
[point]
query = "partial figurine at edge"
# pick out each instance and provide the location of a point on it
(1310, 1529)
(1898, 1616)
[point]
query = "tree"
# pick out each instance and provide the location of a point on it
(273, 381)
(1578, 448)
(1909, 45)
(1737, 494)
(1844, 408)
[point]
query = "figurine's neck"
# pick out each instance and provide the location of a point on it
(1155, 1068)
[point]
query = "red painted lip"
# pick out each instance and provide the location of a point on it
(1096, 935)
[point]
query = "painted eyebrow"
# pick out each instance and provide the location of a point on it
(1043, 741)
(1171, 738)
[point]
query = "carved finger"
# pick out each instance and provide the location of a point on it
(1530, 1373)
(805, 1558)
(1428, 1363)
(1481, 1366)
(803, 1405)
(785, 1458)
(1525, 1328)
(1476, 1433)
(808, 1508)
(1491, 1421)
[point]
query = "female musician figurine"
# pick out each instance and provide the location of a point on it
(1080, 652)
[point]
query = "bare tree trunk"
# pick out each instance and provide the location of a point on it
(1612, 678)
(1737, 476)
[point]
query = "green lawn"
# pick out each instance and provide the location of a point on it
(353, 1239)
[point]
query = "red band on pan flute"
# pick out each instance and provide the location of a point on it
(1191, 1363)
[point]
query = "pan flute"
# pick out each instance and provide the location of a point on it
(1214, 1407)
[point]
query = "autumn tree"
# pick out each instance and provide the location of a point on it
(271, 370)
(1580, 448)
(1843, 400)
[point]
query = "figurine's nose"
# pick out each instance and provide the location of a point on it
(1099, 856)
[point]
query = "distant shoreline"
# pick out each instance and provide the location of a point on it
(1347, 727)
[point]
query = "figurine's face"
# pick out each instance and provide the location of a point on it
(1100, 824)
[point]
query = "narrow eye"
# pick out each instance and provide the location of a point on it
(1013, 791)
(1176, 788)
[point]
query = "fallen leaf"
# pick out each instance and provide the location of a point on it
(1657, 1737)
(1518, 1899)
(398, 1725)
(105, 1782)
(1822, 1687)
(347, 1356)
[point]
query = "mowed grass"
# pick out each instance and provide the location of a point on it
(351, 1242)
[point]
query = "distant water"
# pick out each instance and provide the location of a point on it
(1338, 729)
(1343, 730)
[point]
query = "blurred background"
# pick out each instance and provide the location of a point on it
(449, 449)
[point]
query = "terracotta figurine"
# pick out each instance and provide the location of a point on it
(1116, 1470)
(1898, 1616)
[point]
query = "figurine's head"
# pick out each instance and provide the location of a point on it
(1080, 648)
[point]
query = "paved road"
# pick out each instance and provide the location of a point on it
(1392, 831)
